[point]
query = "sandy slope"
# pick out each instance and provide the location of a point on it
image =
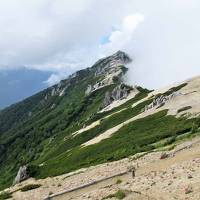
(155, 179)
(166, 179)
(189, 96)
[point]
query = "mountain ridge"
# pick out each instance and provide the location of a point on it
(42, 107)
(92, 118)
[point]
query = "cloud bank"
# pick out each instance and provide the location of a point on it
(63, 36)
(124, 35)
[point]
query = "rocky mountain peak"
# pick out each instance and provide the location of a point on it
(105, 71)
(117, 59)
(110, 70)
(122, 57)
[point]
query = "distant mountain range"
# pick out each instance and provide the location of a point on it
(19, 84)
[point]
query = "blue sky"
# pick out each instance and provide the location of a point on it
(104, 40)
(58, 37)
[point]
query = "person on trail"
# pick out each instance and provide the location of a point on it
(133, 172)
(132, 169)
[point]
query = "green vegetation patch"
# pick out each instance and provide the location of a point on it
(105, 124)
(172, 90)
(184, 109)
(135, 137)
(142, 94)
(32, 139)
(120, 194)
(5, 195)
(118, 181)
(30, 187)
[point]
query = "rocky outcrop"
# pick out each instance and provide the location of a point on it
(98, 85)
(118, 57)
(89, 89)
(164, 155)
(111, 64)
(118, 93)
(59, 89)
(160, 101)
(22, 174)
(110, 70)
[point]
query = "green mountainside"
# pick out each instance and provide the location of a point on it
(42, 131)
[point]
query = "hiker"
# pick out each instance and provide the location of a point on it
(133, 172)
(132, 169)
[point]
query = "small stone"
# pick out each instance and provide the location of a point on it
(188, 190)
(153, 183)
(164, 155)
(170, 183)
(189, 176)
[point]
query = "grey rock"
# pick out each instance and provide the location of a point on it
(22, 174)
(118, 93)
(53, 92)
(53, 106)
(110, 70)
(160, 101)
(89, 89)
(46, 97)
(108, 99)
(164, 155)
(29, 113)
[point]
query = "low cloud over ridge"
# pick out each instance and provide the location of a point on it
(64, 36)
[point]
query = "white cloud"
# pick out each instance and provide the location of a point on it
(64, 35)
(123, 36)
(55, 78)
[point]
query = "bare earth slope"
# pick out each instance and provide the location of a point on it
(176, 177)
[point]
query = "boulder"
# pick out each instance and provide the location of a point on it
(164, 155)
(22, 174)
(188, 189)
